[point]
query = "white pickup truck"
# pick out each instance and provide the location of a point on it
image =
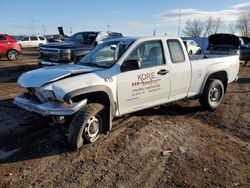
(121, 76)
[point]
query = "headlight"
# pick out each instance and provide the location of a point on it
(65, 54)
(48, 95)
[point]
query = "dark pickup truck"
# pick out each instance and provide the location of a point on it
(74, 48)
(245, 50)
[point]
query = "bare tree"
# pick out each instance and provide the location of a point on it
(217, 25)
(208, 25)
(193, 28)
(243, 24)
(232, 28)
(197, 28)
(212, 25)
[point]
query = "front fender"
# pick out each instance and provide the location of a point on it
(91, 89)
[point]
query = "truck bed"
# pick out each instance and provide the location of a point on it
(202, 66)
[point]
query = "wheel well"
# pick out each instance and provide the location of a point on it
(222, 76)
(98, 97)
(94, 97)
(12, 49)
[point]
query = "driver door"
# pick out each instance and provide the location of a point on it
(147, 86)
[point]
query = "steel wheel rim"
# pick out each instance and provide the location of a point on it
(93, 128)
(215, 94)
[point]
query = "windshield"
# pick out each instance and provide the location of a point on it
(83, 38)
(106, 54)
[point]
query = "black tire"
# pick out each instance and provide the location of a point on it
(87, 126)
(12, 55)
(212, 95)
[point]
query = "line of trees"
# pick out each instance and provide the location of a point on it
(199, 28)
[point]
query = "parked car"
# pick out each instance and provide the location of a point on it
(121, 76)
(223, 44)
(74, 48)
(192, 47)
(9, 47)
(32, 41)
(55, 38)
(245, 49)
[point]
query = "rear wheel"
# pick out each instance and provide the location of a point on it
(87, 126)
(212, 95)
(12, 55)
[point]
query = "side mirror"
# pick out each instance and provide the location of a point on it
(130, 65)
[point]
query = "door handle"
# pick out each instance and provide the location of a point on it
(163, 72)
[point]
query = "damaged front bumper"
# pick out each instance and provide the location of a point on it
(49, 108)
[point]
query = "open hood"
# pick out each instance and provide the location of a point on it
(223, 41)
(40, 77)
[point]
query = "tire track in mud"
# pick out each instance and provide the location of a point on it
(69, 162)
(229, 118)
(118, 164)
(113, 146)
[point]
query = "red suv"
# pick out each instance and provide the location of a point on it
(9, 47)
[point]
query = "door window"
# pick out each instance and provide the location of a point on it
(176, 51)
(148, 53)
(2, 38)
(25, 39)
(33, 38)
(41, 38)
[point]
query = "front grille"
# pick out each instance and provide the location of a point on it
(50, 53)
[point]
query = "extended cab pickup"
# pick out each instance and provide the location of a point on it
(121, 76)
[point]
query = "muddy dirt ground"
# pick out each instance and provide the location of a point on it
(201, 148)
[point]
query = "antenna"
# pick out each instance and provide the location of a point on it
(179, 23)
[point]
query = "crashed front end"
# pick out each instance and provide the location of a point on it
(43, 96)
(46, 104)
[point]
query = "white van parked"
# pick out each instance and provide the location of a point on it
(32, 41)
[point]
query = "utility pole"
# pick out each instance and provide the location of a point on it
(179, 23)
(44, 29)
(108, 26)
(70, 30)
(154, 32)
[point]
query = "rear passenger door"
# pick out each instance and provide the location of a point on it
(147, 86)
(34, 41)
(180, 70)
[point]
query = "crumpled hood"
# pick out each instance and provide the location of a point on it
(39, 77)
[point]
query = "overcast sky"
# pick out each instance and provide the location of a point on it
(131, 17)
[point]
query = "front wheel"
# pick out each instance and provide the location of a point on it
(12, 55)
(212, 95)
(87, 126)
